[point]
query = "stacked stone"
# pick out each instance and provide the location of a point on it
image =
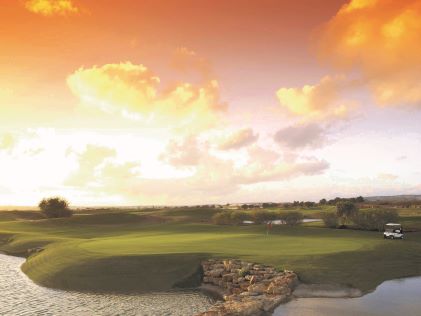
(249, 289)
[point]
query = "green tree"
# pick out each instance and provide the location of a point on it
(322, 202)
(238, 217)
(345, 210)
(55, 207)
(360, 199)
(292, 218)
(330, 219)
(222, 218)
(262, 216)
(375, 219)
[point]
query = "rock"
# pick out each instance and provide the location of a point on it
(270, 303)
(237, 290)
(257, 288)
(250, 289)
(278, 289)
(248, 308)
(228, 277)
(244, 286)
(216, 272)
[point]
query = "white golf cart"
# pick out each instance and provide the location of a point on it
(393, 231)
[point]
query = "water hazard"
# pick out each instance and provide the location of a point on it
(396, 297)
(20, 296)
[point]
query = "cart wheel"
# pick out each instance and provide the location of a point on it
(392, 237)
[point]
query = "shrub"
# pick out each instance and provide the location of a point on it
(375, 219)
(292, 218)
(238, 217)
(230, 217)
(331, 220)
(345, 210)
(222, 218)
(243, 272)
(262, 216)
(55, 207)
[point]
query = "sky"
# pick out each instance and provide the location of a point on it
(181, 102)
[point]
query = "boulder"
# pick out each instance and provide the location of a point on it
(257, 288)
(216, 272)
(250, 289)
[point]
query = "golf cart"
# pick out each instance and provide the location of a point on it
(393, 231)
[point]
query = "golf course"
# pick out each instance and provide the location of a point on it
(142, 250)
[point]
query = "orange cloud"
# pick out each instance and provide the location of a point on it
(239, 139)
(320, 101)
(134, 92)
(88, 161)
(184, 153)
(51, 7)
(381, 39)
(185, 60)
(7, 141)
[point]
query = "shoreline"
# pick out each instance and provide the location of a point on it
(313, 291)
(301, 290)
(304, 290)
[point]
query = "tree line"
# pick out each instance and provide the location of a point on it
(349, 213)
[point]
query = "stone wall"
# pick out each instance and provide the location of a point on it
(247, 288)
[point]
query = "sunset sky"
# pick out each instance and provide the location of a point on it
(208, 101)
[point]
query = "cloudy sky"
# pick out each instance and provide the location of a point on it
(192, 102)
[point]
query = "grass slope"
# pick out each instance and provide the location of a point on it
(157, 250)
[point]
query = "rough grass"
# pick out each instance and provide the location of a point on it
(159, 249)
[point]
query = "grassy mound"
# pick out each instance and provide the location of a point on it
(75, 270)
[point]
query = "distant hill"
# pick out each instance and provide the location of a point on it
(393, 198)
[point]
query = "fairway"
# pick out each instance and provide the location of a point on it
(156, 250)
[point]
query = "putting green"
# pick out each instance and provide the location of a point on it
(122, 251)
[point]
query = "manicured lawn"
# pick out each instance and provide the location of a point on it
(154, 250)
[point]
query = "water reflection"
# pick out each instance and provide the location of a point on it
(20, 296)
(396, 297)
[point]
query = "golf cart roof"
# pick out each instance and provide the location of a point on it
(393, 224)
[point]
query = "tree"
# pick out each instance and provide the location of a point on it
(360, 199)
(230, 217)
(222, 218)
(322, 202)
(55, 207)
(330, 220)
(238, 217)
(262, 216)
(309, 204)
(346, 210)
(292, 218)
(375, 219)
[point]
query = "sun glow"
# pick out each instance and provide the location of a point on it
(141, 102)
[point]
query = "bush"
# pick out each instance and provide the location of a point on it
(262, 216)
(238, 217)
(230, 217)
(55, 207)
(292, 218)
(331, 220)
(243, 272)
(222, 218)
(346, 210)
(375, 219)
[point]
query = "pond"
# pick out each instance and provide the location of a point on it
(20, 296)
(396, 297)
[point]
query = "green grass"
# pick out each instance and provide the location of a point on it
(155, 250)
